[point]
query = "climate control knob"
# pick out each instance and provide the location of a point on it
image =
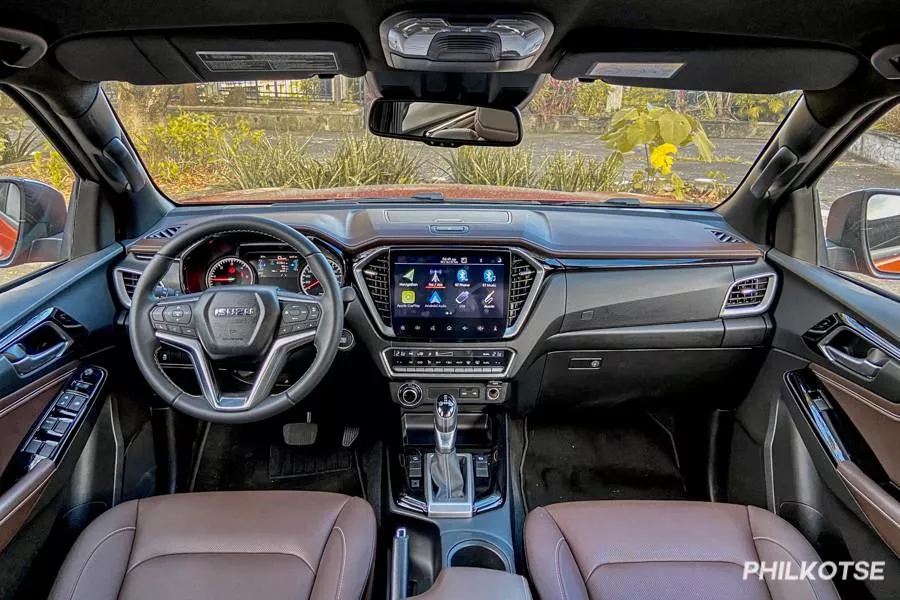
(409, 395)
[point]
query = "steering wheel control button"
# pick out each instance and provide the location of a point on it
(295, 313)
(156, 315)
(180, 314)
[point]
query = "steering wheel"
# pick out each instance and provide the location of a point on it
(251, 322)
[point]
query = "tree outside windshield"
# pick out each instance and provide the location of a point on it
(274, 140)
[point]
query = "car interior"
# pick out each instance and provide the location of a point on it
(437, 388)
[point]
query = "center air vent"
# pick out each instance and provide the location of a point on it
(521, 279)
(725, 237)
(375, 275)
(165, 233)
(749, 296)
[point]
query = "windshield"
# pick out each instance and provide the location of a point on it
(307, 139)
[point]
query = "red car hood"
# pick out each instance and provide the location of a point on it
(448, 191)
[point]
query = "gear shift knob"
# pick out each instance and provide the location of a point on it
(445, 421)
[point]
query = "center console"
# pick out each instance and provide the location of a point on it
(446, 318)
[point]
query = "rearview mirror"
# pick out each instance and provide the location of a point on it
(445, 124)
(863, 233)
(32, 220)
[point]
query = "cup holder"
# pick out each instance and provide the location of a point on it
(476, 553)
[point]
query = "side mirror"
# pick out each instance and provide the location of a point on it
(447, 125)
(863, 233)
(32, 220)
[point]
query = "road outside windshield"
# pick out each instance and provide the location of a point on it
(287, 140)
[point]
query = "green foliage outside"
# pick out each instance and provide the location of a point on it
(661, 132)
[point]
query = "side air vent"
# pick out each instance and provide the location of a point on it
(750, 296)
(522, 275)
(725, 237)
(375, 275)
(165, 233)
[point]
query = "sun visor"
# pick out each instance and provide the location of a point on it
(752, 70)
(189, 59)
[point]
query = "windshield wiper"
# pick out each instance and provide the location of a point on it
(430, 197)
(622, 201)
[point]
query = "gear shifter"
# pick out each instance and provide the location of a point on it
(445, 421)
(446, 473)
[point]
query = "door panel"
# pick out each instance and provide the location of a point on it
(820, 430)
(50, 327)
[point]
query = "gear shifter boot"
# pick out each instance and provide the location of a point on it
(447, 477)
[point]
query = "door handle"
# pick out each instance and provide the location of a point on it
(32, 362)
(867, 367)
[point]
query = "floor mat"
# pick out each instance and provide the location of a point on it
(613, 456)
(254, 457)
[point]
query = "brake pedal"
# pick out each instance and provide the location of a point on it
(300, 434)
(350, 435)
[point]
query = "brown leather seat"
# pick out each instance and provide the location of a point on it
(663, 550)
(224, 545)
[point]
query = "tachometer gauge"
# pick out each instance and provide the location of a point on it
(230, 271)
(309, 283)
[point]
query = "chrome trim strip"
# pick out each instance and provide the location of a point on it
(540, 272)
(361, 262)
(750, 311)
(815, 405)
(395, 375)
(265, 377)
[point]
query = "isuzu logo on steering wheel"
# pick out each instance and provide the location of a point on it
(234, 311)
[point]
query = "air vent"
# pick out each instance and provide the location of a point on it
(725, 237)
(144, 256)
(129, 281)
(749, 296)
(375, 274)
(165, 233)
(521, 279)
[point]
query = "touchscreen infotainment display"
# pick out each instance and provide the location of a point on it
(453, 294)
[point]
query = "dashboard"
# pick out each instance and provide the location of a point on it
(597, 305)
(248, 259)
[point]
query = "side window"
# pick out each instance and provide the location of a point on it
(35, 185)
(859, 197)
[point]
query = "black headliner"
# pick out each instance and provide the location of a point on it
(864, 27)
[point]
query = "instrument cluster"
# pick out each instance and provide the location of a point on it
(228, 260)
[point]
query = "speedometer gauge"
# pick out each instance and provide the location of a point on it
(230, 271)
(309, 283)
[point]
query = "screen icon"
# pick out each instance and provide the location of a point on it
(463, 296)
(489, 299)
(434, 298)
(462, 276)
(489, 276)
(410, 275)
(408, 296)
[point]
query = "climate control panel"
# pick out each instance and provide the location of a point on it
(433, 362)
